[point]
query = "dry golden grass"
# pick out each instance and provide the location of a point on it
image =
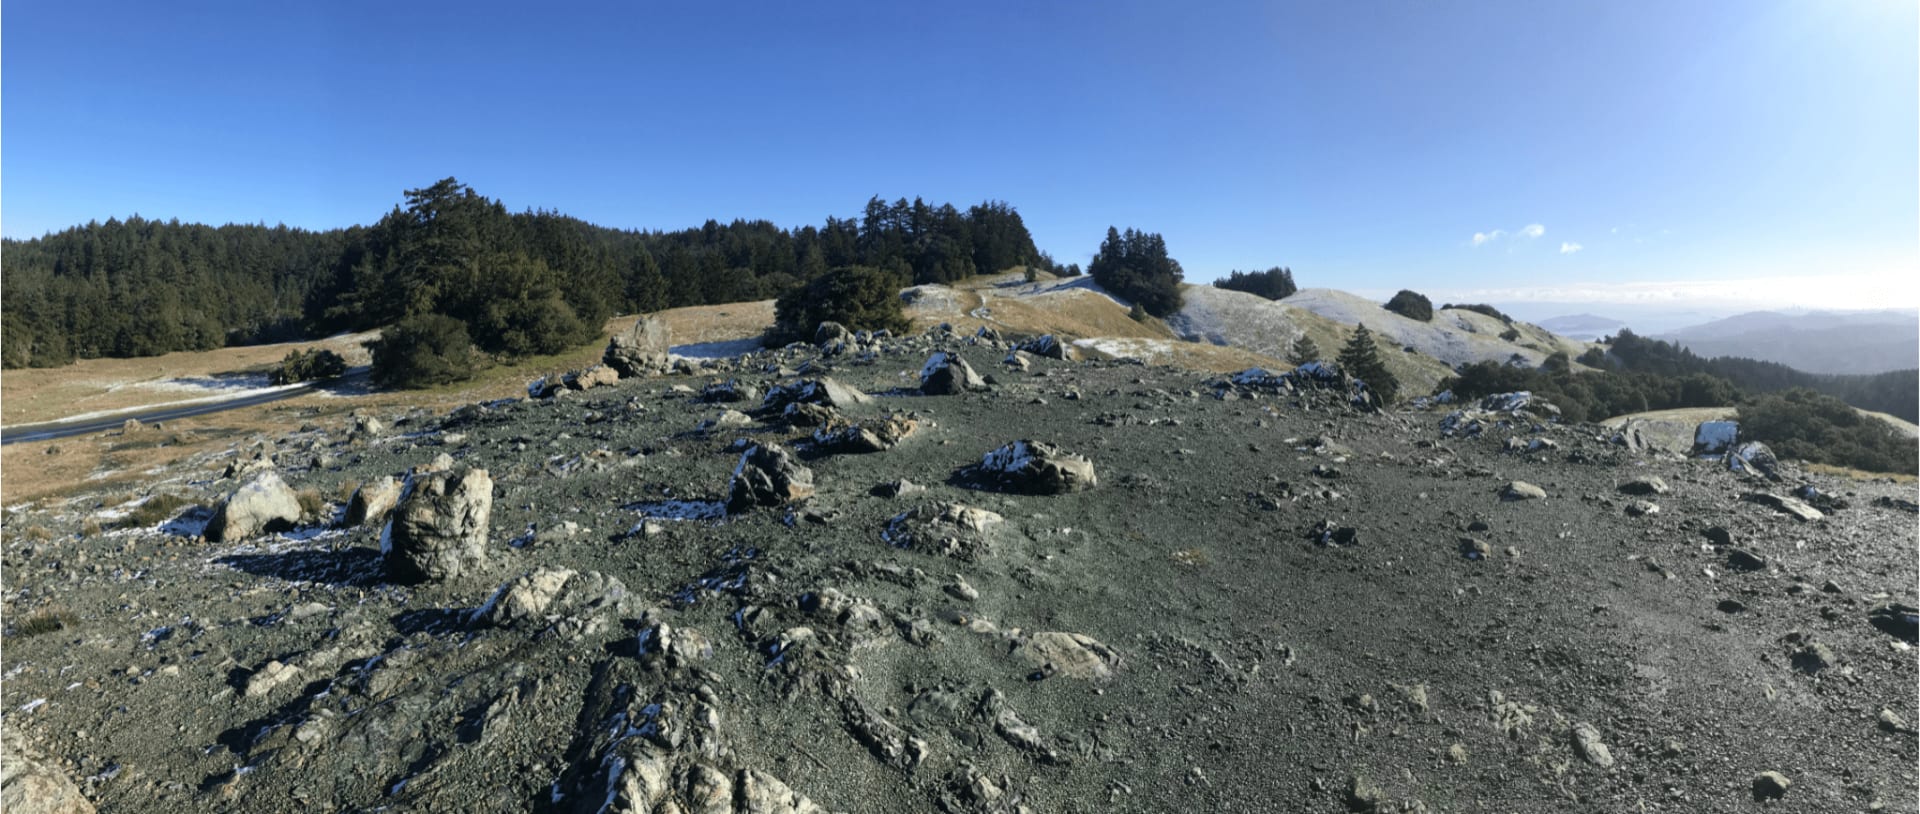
(33, 395)
(1860, 474)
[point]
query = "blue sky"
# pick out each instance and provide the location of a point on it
(1661, 150)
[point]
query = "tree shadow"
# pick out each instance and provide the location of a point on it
(351, 567)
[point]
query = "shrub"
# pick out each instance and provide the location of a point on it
(1480, 308)
(313, 507)
(1818, 428)
(155, 510)
(424, 351)
(1138, 313)
(1304, 351)
(1135, 266)
(1275, 283)
(1411, 305)
(308, 365)
(1510, 335)
(859, 297)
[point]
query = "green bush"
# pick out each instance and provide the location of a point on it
(424, 351)
(1480, 308)
(1411, 305)
(1810, 426)
(308, 365)
(861, 298)
(1135, 266)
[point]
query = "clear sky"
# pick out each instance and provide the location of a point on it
(1604, 151)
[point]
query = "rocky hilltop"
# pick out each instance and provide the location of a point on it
(962, 573)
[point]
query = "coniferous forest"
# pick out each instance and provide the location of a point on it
(527, 282)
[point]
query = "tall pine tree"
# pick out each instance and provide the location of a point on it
(1361, 360)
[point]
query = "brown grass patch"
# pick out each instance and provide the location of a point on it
(46, 620)
(156, 510)
(1860, 474)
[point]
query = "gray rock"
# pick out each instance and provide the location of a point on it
(1048, 346)
(1744, 560)
(867, 436)
(1753, 459)
(1033, 467)
(952, 529)
(897, 488)
(1813, 657)
(726, 420)
(1642, 508)
(1365, 796)
(1645, 486)
(731, 390)
(767, 475)
(373, 501)
(596, 376)
(1068, 654)
(550, 595)
(30, 783)
(269, 677)
(1714, 437)
(1792, 506)
(1770, 786)
(261, 505)
(1587, 739)
(947, 374)
(824, 391)
(641, 350)
(439, 529)
(1521, 490)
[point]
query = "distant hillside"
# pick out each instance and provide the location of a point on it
(1818, 341)
(1587, 327)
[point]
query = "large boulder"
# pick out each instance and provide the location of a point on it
(952, 529)
(1037, 468)
(32, 784)
(947, 374)
(1047, 345)
(829, 332)
(824, 391)
(1715, 437)
(261, 505)
(439, 529)
(591, 377)
(373, 501)
(549, 596)
(641, 350)
(1752, 458)
(767, 475)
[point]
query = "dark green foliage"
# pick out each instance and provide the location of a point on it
(1510, 335)
(1557, 362)
(1411, 305)
(1275, 283)
(1361, 360)
(1480, 308)
(1594, 395)
(861, 298)
(1800, 423)
(423, 351)
(1594, 357)
(1895, 392)
(528, 282)
(1304, 351)
(1138, 313)
(1135, 266)
(309, 365)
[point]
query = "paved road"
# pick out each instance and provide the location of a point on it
(64, 429)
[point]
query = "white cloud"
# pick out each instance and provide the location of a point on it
(1480, 238)
(1570, 248)
(1533, 230)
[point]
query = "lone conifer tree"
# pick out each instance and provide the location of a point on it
(1304, 351)
(1361, 360)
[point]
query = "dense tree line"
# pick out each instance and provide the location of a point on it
(1480, 308)
(1895, 392)
(1592, 395)
(1275, 283)
(529, 282)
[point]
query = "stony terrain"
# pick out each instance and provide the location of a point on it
(796, 581)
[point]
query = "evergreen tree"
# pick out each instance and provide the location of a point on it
(1304, 351)
(1135, 266)
(1361, 360)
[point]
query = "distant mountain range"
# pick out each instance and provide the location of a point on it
(1584, 327)
(1814, 341)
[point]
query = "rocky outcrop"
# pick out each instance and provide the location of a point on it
(1072, 655)
(553, 596)
(877, 435)
(1036, 468)
(439, 529)
(588, 378)
(32, 784)
(262, 505)
(952, 529)
(767, 475)
(641, 350)
(824, 391)
(1047, 345)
